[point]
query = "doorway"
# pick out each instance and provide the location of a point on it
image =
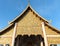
(31, 40)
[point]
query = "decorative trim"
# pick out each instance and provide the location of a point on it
(44, 33)
(6, 36)
(14, 34)
(53, 35)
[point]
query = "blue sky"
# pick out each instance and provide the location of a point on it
(49, 9)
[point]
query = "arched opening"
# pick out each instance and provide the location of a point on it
(32, 40)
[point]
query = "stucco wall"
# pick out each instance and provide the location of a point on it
(5, 41)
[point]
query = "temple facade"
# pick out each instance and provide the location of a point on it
(29, 29)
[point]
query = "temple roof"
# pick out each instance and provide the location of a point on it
(29, 6)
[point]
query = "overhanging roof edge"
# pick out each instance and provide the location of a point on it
(24, 11)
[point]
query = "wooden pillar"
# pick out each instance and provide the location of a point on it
(4, 45)
(14, 34)
(44, 33)
(41, 43)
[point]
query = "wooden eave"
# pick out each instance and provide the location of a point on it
(6, 28)
(54, 29)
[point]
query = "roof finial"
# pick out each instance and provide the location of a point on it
(28, 2)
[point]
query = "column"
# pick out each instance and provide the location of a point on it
(41, 43)
(14, 34)
(44, 33)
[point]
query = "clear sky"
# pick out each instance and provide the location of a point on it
(49, 9)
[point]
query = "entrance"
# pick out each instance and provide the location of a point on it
(31, 40)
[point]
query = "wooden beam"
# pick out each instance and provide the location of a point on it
(14, 34)
(41, 43)
(44, 33)
(53, 35)
(6, 36)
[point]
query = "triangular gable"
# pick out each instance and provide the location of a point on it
(13, 21)
(29, 6)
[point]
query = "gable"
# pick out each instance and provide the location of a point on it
(29, 17)
(27, 8)
(29, 23)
